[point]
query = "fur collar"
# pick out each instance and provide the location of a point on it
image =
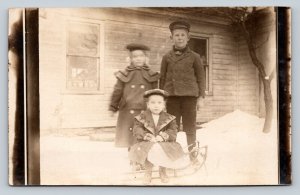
(147, 120)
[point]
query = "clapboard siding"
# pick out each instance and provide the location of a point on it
(90, 110)
(248, 84)
(234, 78)
(224, 78)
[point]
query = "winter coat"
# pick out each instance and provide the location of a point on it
(130, 87)
(182, 75)
(166, 127)
(127, 98)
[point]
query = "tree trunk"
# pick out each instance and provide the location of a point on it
(265, 79)
(269, 106)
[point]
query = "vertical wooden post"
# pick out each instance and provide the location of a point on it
(284, 99)
(32, 96)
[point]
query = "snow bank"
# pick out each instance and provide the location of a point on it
(234, 121)
(238, 151)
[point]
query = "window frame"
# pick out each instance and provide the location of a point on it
(208, 37)
(100, 58)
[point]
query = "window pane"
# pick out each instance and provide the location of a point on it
(82, 73)
(200, 46)
(83, 39)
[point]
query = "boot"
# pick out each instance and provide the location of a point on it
(148, 176)
(135, 166)
(163, 175)
(193, 158)
(191, 140)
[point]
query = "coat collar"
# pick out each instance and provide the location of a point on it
(127, 74)
(132, 67)
(176, 57)
(147, 119)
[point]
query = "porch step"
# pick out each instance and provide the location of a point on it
(103, 134)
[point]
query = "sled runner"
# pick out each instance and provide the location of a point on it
(199, 154)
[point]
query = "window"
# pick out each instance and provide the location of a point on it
(84, 57)
(201, 46)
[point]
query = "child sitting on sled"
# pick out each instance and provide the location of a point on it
(156, 133)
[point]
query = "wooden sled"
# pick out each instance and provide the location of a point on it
(199, 153)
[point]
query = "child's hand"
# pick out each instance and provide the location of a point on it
(200, 103)
(149, 137)
(159, 138)
(153, 139)
(164, 135)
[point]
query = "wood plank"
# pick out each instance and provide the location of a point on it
(224, 93)
(224, 98)
(221, 103)
(247, 87)
(221, 72)
(226, 88)
(224, 36)
(224, 51)
(245, 68)
(225, 47)
(224, 61)
(248, 82)
(249, 76)
(221, 66)
(131, 28)
(224, 77)
(224, 57)
(248, 108)
(223, 82)
(219, 41)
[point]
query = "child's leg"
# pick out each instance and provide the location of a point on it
(187, 108)
(163, 174)
(189, 112)
(148, 174)
(174, 108)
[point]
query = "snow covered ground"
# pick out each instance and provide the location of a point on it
(239, 153)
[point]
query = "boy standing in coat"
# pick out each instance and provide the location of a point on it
(127, 96)
(182, 76)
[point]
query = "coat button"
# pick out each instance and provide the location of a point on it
(131, 111)
(142, 86)
(132, 86)
(130, 129)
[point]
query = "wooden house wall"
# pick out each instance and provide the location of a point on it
(232, 80)
(250, 89)
(248, 81)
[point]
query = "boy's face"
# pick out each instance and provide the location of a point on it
(138, 57)
(180, 38)
(156, 104)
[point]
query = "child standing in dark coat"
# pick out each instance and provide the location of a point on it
(127, 96)
(156, 133)
(182, 75)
